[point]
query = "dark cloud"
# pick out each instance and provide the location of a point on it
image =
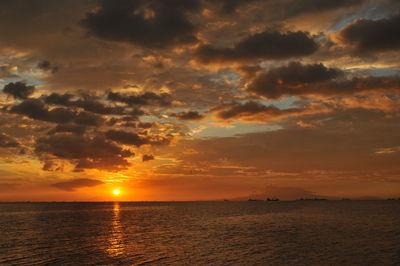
(255, 111)
(36, 109)
(146, 158)
(315, 79)
(155, 23)
(285, 8)
(293, 78)
(58, 99)
(75, 129)
(128, 138)
(41, 26)
(7, 141)
(369, 36)
(190, 115)
(94, 106)
(47, 66)
(270, 44)
(131, 121)
(84, 152)
(235, 110)
(139, 124)
(19, 90)
(230, 6)
(131, 138)
(147, 98)
(74, 184)
(88, 119)
(290, 8)
(89, 103)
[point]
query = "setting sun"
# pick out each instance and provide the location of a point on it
(116, 192)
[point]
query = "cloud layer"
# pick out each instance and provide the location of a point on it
(173, 97)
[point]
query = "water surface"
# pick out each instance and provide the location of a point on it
(198, 233)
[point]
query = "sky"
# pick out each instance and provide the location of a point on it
(199, 99)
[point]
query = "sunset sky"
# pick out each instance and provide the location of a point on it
(199, 99)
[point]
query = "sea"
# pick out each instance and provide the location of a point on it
(345, 232)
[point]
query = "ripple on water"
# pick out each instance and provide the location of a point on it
(259, 233)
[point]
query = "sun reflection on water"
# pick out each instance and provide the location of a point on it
(116, 243)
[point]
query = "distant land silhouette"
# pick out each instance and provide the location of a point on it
(293, 193)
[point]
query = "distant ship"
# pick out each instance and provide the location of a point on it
(273, 199)
(312, 199)
(268, 199)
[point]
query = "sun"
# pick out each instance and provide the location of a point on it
(116, 192)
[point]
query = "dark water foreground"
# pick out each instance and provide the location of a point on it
(198, 233)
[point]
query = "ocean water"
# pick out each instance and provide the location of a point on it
(201, 233)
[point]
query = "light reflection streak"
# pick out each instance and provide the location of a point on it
(116, 243)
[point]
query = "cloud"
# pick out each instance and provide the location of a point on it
(155, 23)
(45, 65)
(382, 102)
(97, 107)
(294, 78)
(290, 8)
(147, 98)
(341, 141)
(36, 109)
(283, 9)
(50, 20)
(267, 45)
(84, 152)
(81, 137)
(116, 58)
(131, 138)
(304, 125)
(236, 110)
(87, 102)
(146, 158)
(7, 71)
(75, 184)
(76, 129)
(19, 90)
(88, 119)
(58, 99)
(51, 165)
(388, 150)
(371, 36)
(130, 121)
(144, 125)
(315, 79)
(256, 112)
(7, 141)
(230, 6)
(128, 138)
(190, 115)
